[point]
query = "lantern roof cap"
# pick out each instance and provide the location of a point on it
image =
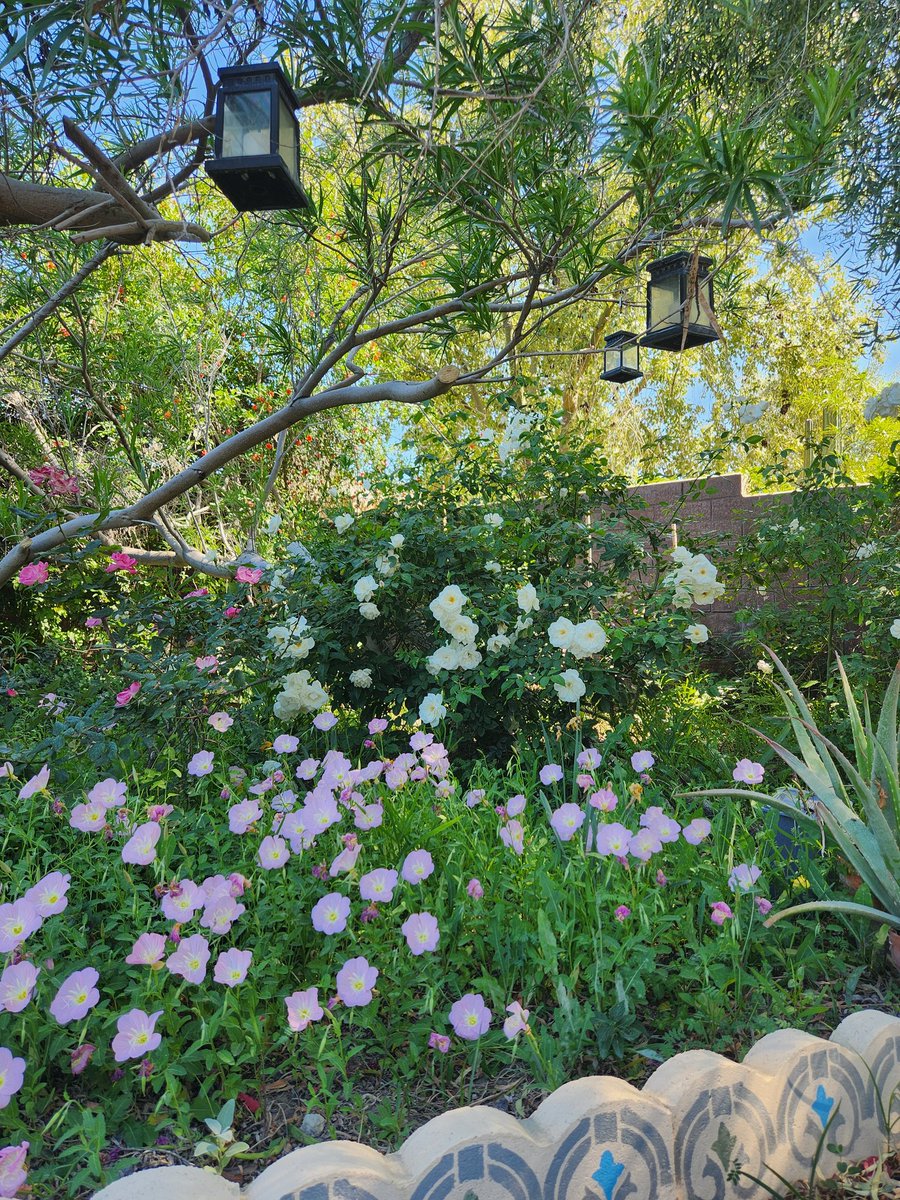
(248, 71)
(621, 335)
(677, 260)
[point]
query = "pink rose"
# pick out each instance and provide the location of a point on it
(126, 696)
(33, 573)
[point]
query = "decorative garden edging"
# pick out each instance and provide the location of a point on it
(602, 1139)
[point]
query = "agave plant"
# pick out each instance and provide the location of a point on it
(857, 803)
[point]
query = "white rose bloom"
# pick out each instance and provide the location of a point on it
(795, 527)
(462, 628)
(485, 436)
(365, 588)
(397, 541)
(497, 642)
(369, 611)
(697, 634)
(764, 668)
(523, 623)
(527, 598)
(572, 687)
(448, 602)
(276, 580)
(469, 656)
(749, 414)
(702, 570)
(445, 658)
(432, 709)
(588, 638)
(343, 522)
(708, 592)
(274, 524)
(895, 628)
(866, 550)
(299, 692)
(387, 564)
(561, 633)
(681, 555)
(494, 520)
(361, 678)
(493, 567)
(683, 597)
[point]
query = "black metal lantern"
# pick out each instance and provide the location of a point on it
(257, 139)
(670, 294)
(621, 357)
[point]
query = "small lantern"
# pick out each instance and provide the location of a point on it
(621, 358)
(257, 140)
(668, 300)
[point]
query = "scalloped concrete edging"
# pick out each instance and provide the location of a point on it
(602, 1139)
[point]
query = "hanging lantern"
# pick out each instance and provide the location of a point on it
(621, 357)
(671, 295)
(257, 140)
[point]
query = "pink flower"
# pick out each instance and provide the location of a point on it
(589, 759)
(421, 933)
(79, 1058)
(232, 611)
(642, 760)
(720, 913)
(661, 879)
(696, 831)
(242, 815)
(665, 827)
(248, 574)
(140, 849)
(346, 861)
(417, 866)
(17, 922)
(355, 981)
(12, 1075)
(474, 797)
(329, 915)
(439, 1042)
(34, 573)
(286, 743)
(108, 792)
(369, 816)
(747, 771)
(613, 839)
(515, 806)
(17, 985)
(377, 725)
(551, 773)
(136, 1034)
(517, 1021)
(93, 622)
(76, 996)
(303, 1008)
(378, 886)
(221, 721)
(201, 764)
(196, 592)
(325, 721)
(622, 912)
(644, 844)
(566, 821)
(604, 799)
(584, 781)
(470, 1017)
(37, 783)
(122, 562)
(190, 959)
(232, 966)
(474, 888)
(148, 950)
(127, 694)
(743, 877)
(273, 853)
(54, 481)
(49, 894)
(13, 1173)
(513, 835)
(220, 913)
(88, 818)
(159, 812)
(183, 900)
(207, 663)
(764, 905)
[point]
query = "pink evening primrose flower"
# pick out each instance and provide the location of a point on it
(665, 827)
(140, 849)
(329, 915)
(747, 771)
(377, 725)
(13, 1173)
(121, 562)
(37, 783)
(644, 844)
(512, 835)
(49, 894)
(622, 913)
(232, 966)
(76, 996)
(220, 914)
(346, 861)
(517, 1021)
(148, 950)
(474, 889)
(303, 1008)
(207, 664)
(378, 886)
(88, 818)
(420, 739)
(589, 759)
(720, 913)
(221, 721)
(421, 933)
(159, 812)
(551, 773)
(136, 1035)
(202, 763)
(183, 900)
(355, 981)
(417, 865)
(36, 572)
(585, 781)
(613, 839)
(764, 905)
(273, 853)
(566, 821)
(81, 1057)
(242, 815)
(17, 985)
(286, 743)
(743, 877)
(696, 831)
(642, 760)
(93, 622)
(325, 721)
(369, 816)
(17, 922)
(190, 959)
(515, 806)
(248, 574)
(127, 694)
(604, 799)
(470, 1017)
(439, 1042)
(474, 797)
(108, 792)
(12, 1075)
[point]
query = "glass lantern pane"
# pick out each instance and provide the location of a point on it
(247, 124)
(665, 302)
(612, 358)
(698, 315)
(287, 140)
(631, 355)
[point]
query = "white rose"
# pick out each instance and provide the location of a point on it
(701, 569)
(697, 633)
(365, 588)
(681, 555)
(469, 656)
(523, 623)
(387, 564)
(572, 687)
(764, 668)
(708, 592)
(274, 524)
(497, 642)
(494, 520)
(448, 602)
(866, 550)
(493, 567)
(361, 678)
(445, 658)
(561, 633)
(462, 628)
(432, 709)
(589, 638)
(895, 628)
(343, 522)
(796, 527)
(369, 611)
(527, 598)
(397, 541)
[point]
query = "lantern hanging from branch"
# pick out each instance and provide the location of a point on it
(680, 303)
(621, 357)
(257, 140)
